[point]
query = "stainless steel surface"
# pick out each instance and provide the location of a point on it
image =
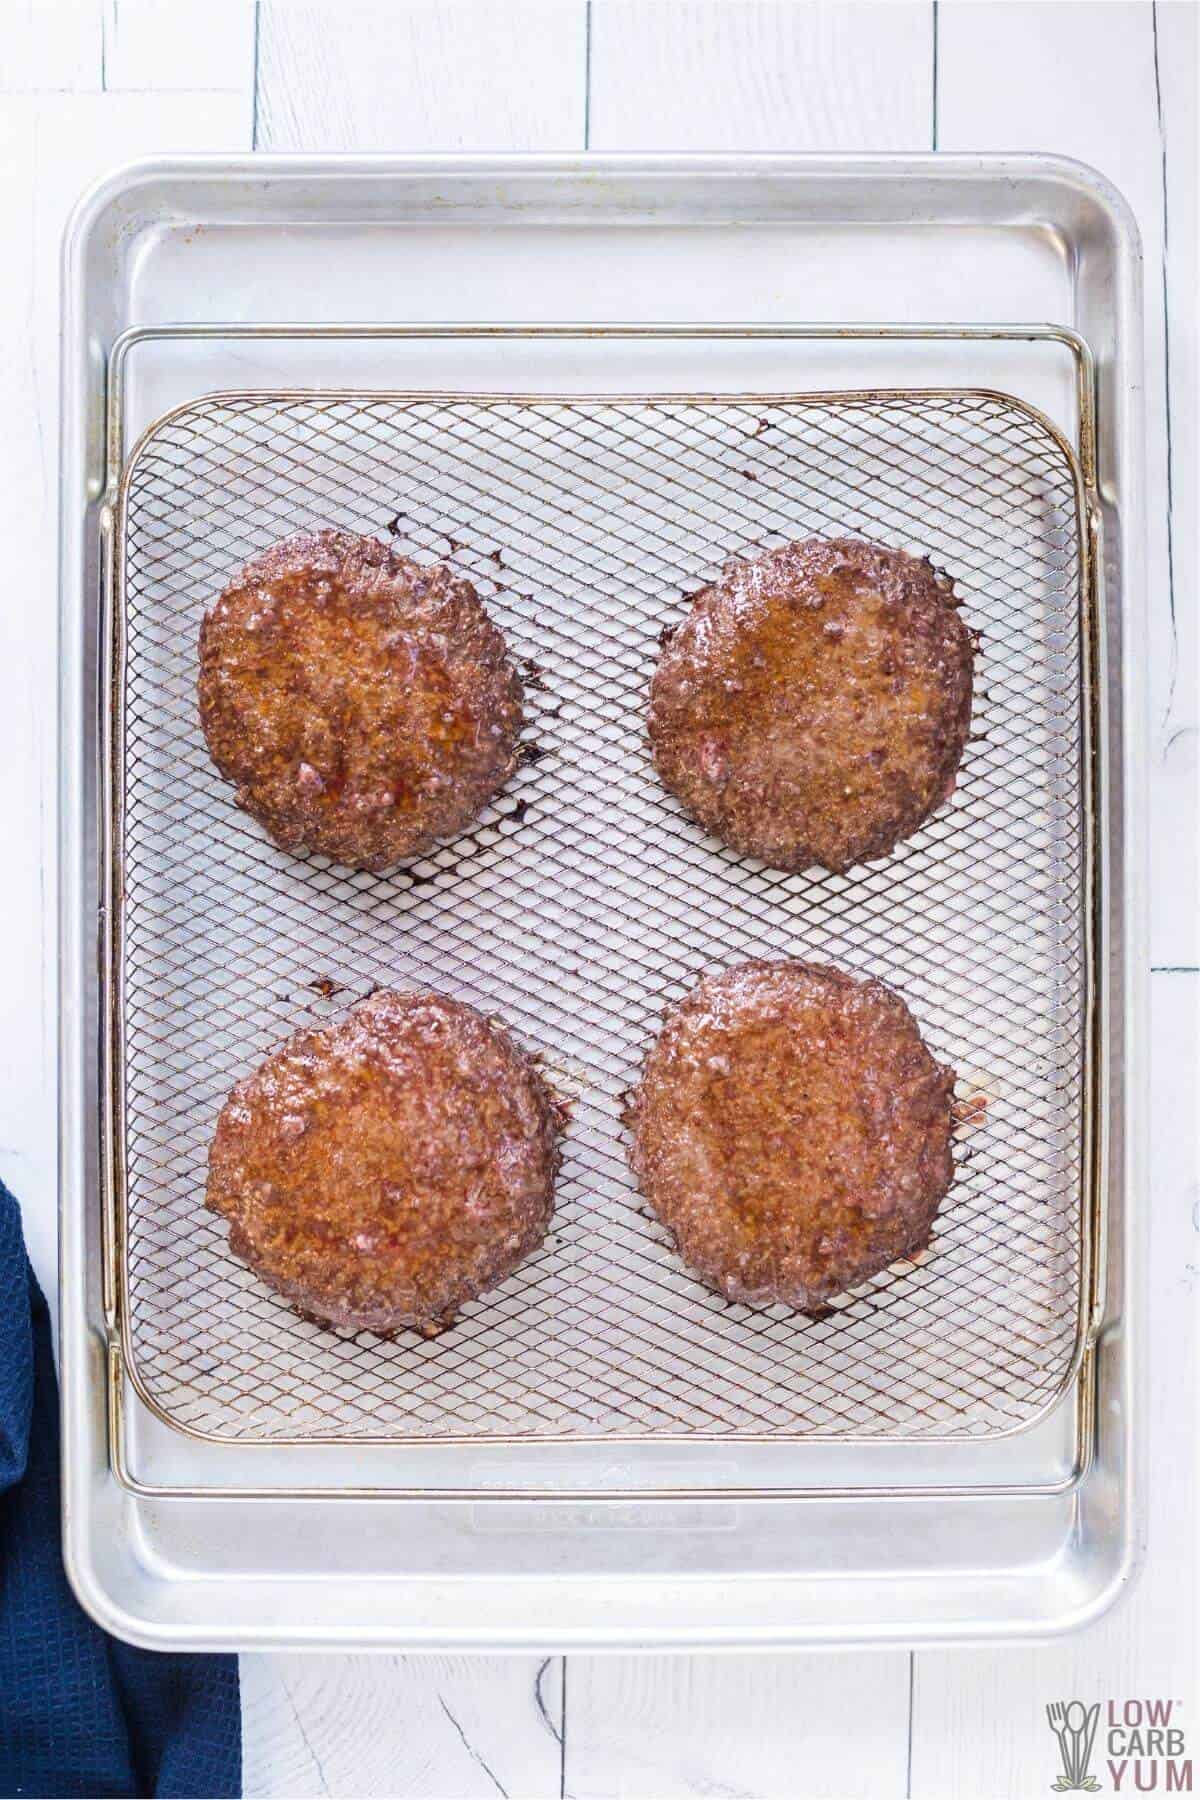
(583, 902)
(964, 238)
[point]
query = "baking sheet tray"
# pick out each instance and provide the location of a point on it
(647, 237)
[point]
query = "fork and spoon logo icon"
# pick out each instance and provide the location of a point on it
(1074, 1725)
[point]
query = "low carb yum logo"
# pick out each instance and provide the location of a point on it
(1143, 1745)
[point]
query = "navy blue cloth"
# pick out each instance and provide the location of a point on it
(80, 1713)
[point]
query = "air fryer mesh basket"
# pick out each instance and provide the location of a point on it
(584, 902)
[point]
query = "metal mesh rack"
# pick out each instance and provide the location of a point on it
(584, 902)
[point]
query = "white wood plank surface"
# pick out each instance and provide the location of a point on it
(50, 48)
(163, 47)
(1177, 718)
(760, 75)
(85, 84)
(422, 77)
(817, 1727)
(435, 1728)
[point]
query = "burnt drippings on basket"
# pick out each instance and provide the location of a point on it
(326, 986)
(552, 1076)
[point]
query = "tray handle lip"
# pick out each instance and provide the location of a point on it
(1072, 175)
(101, 1605)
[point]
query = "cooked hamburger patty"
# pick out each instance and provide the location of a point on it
(814, 705)
(363, 705)
(381, 1172)
(792, 1132)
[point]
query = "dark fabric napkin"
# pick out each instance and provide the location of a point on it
(80, 1713)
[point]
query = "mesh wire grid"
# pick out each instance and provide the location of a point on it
(583, 902)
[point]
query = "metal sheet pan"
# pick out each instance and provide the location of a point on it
(960, 239)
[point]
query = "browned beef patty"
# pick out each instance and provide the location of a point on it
(814, 705)
(364, 705)
(385, 1170)
(792, 1131)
